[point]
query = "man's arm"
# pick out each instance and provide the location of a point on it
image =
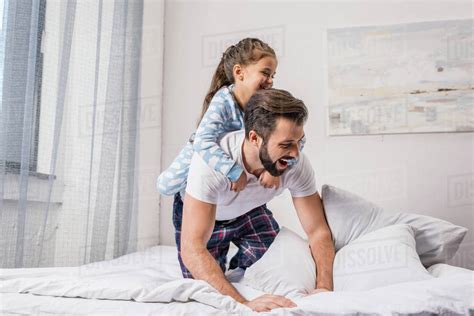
(311, 215)
(196, 230)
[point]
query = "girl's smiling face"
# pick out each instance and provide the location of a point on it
(259, 75)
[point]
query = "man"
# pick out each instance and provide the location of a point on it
(213, 215)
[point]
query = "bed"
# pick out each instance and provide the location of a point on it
(149, 283)
(390, 264)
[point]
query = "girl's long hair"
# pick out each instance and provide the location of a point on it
(245, 52)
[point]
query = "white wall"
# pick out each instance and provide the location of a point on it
(149, 157)
(428, 174)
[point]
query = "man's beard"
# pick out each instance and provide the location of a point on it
(268, 164)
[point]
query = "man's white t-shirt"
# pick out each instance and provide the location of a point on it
(207, 185)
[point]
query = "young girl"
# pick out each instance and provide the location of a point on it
(244, 68)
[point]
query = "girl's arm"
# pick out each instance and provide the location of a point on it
(302, 143)
(221, 117)
(173, 179)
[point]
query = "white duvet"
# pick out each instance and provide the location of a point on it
(150, 282)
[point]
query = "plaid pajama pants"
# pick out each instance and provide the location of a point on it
(252, 233)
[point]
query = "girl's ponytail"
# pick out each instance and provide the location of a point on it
(218, 81)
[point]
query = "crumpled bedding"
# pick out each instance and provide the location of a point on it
(153, 277)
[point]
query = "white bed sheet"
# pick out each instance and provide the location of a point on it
(149, 282)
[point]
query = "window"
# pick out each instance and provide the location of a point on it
(18, 25)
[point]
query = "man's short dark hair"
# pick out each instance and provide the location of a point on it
(266, 105)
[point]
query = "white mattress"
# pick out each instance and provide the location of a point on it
(150, 282)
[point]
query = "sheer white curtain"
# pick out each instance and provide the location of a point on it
(69, 122)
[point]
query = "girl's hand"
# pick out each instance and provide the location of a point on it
(268, 181)
(240, 184)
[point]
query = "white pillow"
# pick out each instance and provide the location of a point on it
(380, 258)
(350, 216)
(442, 270)
(287, 268)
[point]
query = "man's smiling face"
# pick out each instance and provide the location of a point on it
(282, 146)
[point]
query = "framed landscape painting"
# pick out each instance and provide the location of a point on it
(408, 78)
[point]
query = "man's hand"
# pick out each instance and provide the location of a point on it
(240, 184)
(268, 181)
(267, 302)
(316, 291)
